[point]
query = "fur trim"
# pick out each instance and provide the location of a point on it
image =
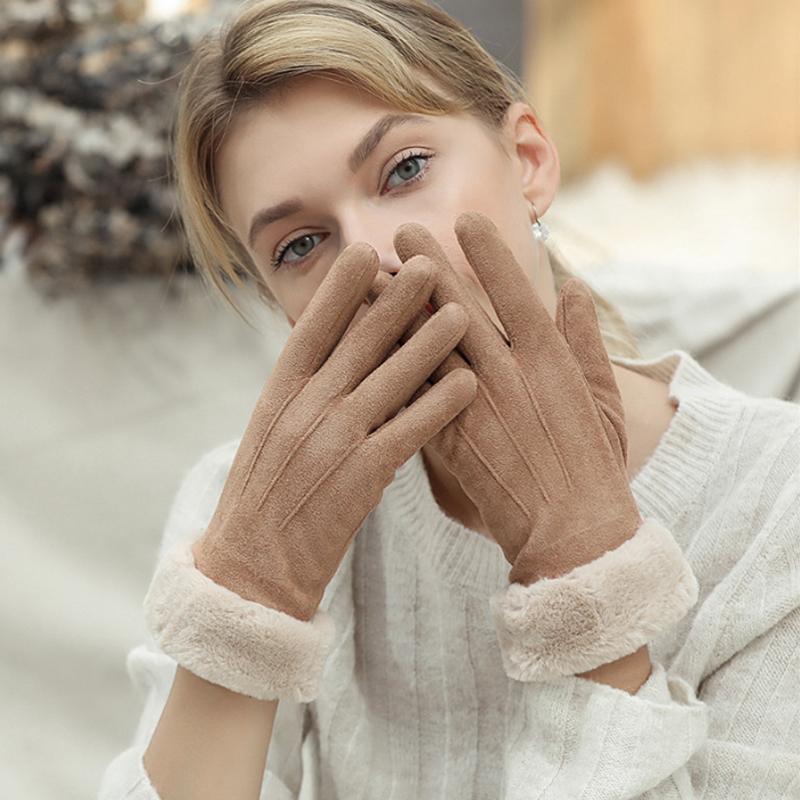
(239, 644)
(598, 612)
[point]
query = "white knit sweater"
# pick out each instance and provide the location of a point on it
(414, 701)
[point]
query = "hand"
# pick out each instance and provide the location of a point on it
(542, 449)
(318, 449)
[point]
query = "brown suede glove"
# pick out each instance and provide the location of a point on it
(542, 454)
(316, 457)
(321, 445)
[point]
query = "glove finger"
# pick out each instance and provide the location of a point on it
(521, 311)
(576, 320)
(328, 314)
(383, 392)
(454, 359)
(397, 440)
(481, 341)
(368, 342)
(379, 283)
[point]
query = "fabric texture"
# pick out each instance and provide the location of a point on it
(240, 644)
(598, 612)
(542, 449)
(325, 439)
(415, 701)
(542, 453)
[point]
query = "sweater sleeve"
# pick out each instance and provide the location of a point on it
(152, 672)
(737, 736)
(573, 737)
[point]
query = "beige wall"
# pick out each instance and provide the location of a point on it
(650, 82)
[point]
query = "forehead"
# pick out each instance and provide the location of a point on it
(297, 137)
(306, 110)
(310, 115)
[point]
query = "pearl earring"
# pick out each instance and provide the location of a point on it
(540, 230)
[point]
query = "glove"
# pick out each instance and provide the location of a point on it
(541, 452)
(240, 606)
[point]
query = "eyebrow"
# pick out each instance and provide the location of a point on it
(360, 154)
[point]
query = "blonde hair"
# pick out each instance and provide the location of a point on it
(407, 53)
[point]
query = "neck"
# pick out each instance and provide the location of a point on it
(648, 413)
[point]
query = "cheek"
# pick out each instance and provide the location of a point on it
(292, 310)
(297, 292)
(293, 299)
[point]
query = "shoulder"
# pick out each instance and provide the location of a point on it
(732, 437)
(753, 498)
(747, 553)
(764, 447)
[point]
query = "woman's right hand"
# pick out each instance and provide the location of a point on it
(323, 441)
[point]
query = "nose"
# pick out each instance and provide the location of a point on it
(387, 259)
(378, 231)
(376, 227)
(388, 262)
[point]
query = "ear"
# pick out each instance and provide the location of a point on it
(534, 154)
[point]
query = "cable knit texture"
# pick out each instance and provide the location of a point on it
(416, 700)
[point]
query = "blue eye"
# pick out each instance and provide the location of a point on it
(279, 260)
(409, 159)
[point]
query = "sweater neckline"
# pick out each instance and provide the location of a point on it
(665, 487)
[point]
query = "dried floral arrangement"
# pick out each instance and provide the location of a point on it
(86, 100)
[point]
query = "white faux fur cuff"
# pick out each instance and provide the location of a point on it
(236, 643)
(598, 612)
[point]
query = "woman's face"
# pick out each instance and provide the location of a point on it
(306, 147)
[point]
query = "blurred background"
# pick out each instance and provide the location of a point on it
(678, 127)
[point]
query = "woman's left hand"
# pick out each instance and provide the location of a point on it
(542, 449)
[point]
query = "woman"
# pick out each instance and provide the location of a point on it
(471, 544)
